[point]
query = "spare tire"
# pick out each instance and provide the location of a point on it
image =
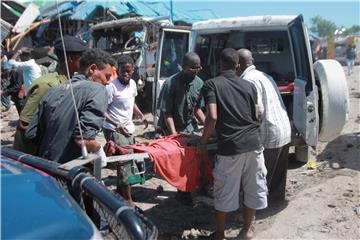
(333, 98)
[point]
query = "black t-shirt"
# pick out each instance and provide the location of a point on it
(237, 126)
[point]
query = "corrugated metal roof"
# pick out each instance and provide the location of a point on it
(86, 10)
(64, 8)
(144, 9)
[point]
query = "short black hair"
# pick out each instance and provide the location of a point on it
(189, 58)
(25, 56)
(95, 56)
(125, 59)
(61, 56)
(229, 58)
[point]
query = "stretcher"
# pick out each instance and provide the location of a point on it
(136, 166)
(133, 165)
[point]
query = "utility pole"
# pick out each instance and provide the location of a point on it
(171, 12)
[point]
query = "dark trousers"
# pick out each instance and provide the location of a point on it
(276, 162)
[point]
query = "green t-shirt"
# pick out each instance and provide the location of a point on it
(37, 90)
(180, 97)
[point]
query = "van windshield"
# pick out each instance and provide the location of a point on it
(173, 50)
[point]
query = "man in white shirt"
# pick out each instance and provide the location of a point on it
(118, 126)
(275, 128)
(30, 69)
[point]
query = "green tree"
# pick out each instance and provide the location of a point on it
(353, 30)
(322, 27)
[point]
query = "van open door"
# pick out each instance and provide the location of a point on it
(305, 104)
(172, 46)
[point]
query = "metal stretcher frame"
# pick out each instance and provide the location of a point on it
(140, 158)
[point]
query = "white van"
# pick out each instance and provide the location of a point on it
(315, 94)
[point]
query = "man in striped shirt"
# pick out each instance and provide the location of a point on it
(275, 128)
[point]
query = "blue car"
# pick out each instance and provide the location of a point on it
(35, 206)
(39, 200)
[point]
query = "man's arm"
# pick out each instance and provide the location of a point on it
(166, 106)
(16, 64)
(139, 114)
(210, 123)
(199, 114)
(169, 120)
(91, 144)
(91, 118)
(32, 101)
(110, 119)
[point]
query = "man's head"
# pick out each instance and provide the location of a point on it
(74, 47)
(125, 69)
(191, 64)
(97, 65)
(26, 54)
(229, 59)
(245, 60)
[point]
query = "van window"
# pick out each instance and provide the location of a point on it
(270, 49)
(175, 45)
(302, 64)
(209, 48)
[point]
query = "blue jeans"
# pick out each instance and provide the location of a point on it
(350, 64)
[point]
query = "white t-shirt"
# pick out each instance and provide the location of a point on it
(121, 101)
(31, 71)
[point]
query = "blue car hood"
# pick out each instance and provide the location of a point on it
(34, 206)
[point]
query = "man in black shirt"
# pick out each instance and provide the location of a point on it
(232, 111)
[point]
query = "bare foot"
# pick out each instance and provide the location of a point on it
(246, 234)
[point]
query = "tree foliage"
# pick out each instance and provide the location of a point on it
(353, 30)
(322, 27)
(326, 29)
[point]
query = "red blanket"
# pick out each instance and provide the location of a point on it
(176, 162)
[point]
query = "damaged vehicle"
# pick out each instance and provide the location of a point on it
(315, 93)
(138, 38)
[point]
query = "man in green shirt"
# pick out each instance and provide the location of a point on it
(181, 103)
(74, 47)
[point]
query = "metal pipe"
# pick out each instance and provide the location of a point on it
(123, 213)
(82, 180)
(36, 162)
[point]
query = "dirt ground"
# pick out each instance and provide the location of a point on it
(321, 203)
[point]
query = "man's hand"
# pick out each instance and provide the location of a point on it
(145, 122)
(121, 129)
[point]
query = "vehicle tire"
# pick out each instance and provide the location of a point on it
(333, 98)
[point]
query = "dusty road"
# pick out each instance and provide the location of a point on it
(322, 203)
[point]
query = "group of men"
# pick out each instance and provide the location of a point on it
(65, 110)
(245, 108)
(60, 118)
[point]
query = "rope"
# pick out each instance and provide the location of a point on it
(83, 147)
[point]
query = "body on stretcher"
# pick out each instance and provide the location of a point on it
(133, 168)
